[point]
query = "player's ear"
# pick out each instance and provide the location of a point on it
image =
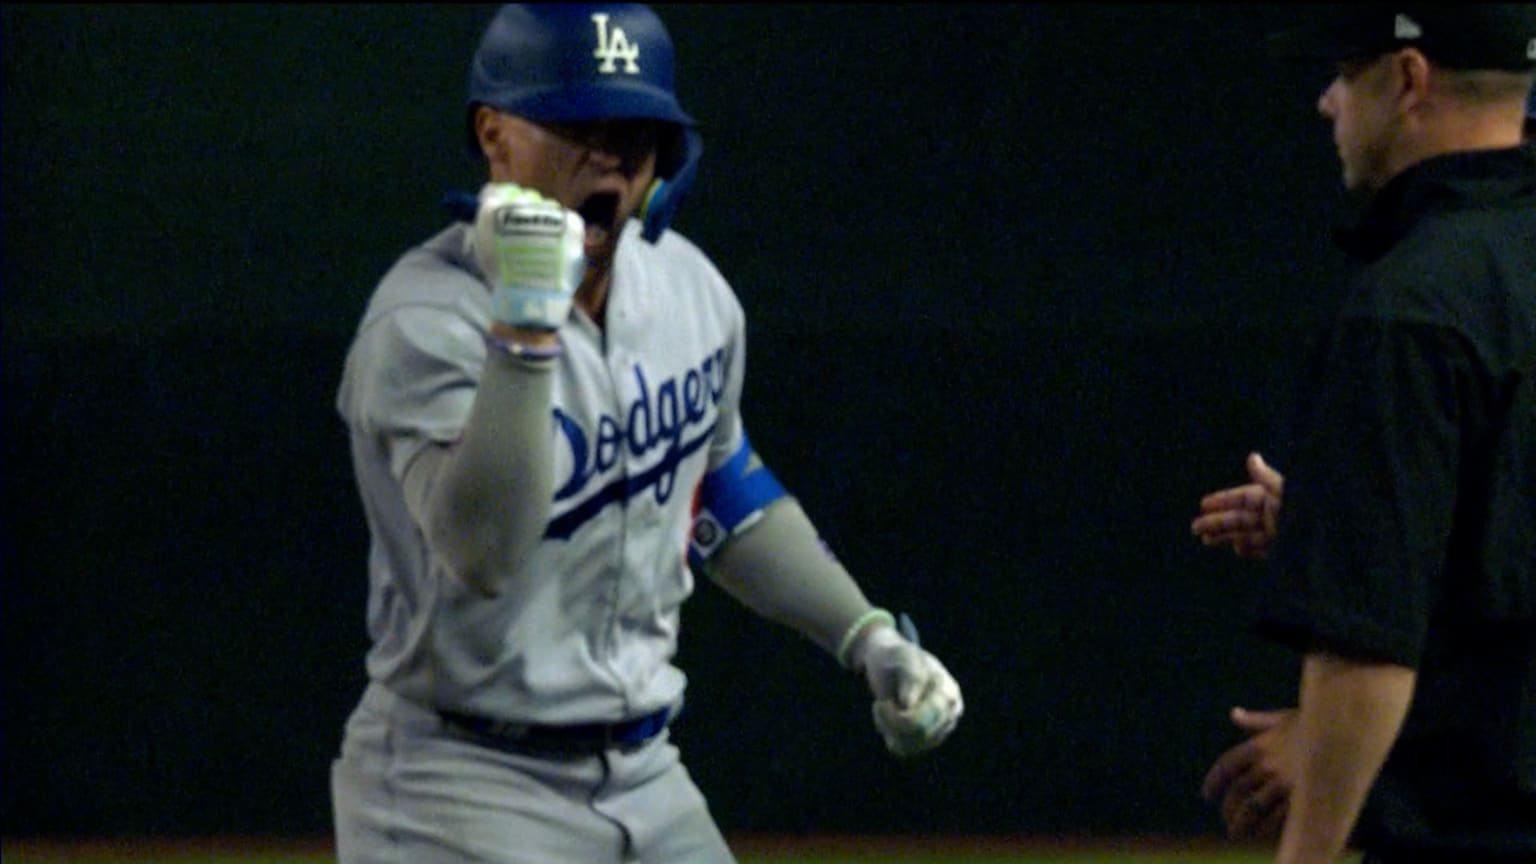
(490, 132)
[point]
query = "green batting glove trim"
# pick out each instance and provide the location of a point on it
(852, 633)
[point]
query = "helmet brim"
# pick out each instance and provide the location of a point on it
(614, 100)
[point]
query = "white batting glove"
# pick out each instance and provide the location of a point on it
(917, 702)
(530, 249)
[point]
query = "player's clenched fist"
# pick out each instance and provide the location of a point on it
(917, 702)
(530, 249)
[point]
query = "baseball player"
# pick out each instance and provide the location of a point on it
(544, 402)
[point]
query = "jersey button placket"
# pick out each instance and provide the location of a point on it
(616, 360)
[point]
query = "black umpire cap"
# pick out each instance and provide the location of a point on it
(1469, 36)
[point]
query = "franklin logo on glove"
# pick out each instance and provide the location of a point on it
(514, 220)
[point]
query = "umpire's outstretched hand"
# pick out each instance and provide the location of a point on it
(1243, 517)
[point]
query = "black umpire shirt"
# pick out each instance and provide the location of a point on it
(1408, 532)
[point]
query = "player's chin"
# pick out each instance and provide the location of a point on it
(600, 245)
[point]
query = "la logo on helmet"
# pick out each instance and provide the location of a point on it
(614, 46)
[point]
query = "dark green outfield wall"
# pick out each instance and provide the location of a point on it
(1023, 282)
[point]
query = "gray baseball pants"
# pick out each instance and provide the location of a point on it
(409, 788)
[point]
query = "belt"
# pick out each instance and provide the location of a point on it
(582, 738)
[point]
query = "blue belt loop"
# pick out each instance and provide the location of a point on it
(641, 730)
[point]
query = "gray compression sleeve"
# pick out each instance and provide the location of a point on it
(779, 569)
(484, 501)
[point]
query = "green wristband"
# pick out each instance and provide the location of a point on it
(858, 625)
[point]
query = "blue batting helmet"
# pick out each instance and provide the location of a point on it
(577, 62)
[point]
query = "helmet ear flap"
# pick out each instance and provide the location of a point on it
(670, 186)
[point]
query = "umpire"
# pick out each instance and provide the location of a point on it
(1405, 553)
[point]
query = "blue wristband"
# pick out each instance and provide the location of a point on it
(527, 353)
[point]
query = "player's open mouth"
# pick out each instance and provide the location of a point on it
(599, 212)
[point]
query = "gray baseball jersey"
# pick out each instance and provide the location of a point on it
(641, 409)
(586, 629)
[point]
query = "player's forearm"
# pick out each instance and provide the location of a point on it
(485, 503)
(779, 569)
(1350, 714)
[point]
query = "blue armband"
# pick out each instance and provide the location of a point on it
(731, 499)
